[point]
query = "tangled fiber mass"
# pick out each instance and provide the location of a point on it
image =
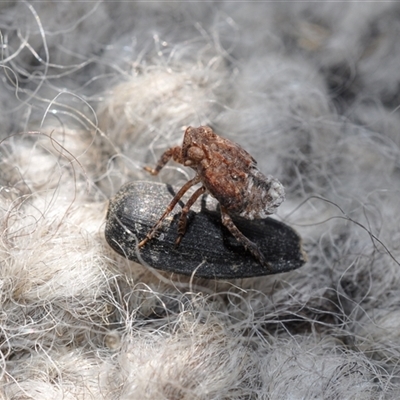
(90, 92)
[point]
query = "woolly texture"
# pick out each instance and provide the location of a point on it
(93, 91)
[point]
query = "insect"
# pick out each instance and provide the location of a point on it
(229, 174)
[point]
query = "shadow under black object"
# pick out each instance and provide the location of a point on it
(138, 206)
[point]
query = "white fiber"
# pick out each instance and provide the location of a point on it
(90, 92)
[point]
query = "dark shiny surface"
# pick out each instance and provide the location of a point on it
(207, 249)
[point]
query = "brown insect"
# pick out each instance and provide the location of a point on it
(228, 173)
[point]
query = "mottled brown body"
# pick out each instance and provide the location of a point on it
(228, 173)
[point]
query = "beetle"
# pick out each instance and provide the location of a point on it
(229, 174)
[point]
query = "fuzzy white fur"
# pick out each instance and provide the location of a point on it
(92, 91)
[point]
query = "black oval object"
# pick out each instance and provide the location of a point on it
(207, 249)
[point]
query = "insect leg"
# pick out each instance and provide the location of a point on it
(170, 207)
(183, 218)
(242, 239)
(174, 152)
